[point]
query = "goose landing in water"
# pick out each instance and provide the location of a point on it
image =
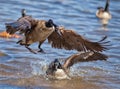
(59, 37)
(104, 13)
(33, 30)
(56, 70)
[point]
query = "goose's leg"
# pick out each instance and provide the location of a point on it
(26, 43)
(19, 42)
(30, 49)
(40, 49)
(39, 46)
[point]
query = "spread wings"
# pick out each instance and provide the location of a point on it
(22, 24)
(71, 40)
(83, 57)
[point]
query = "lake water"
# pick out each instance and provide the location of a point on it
(21, 69)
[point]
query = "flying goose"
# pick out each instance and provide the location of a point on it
(104, 13)
(33, 30)
(59, 37)
(56, 70)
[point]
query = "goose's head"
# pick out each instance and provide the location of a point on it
(56, 71)
(50, 23)
(23, 12)
(100, 9)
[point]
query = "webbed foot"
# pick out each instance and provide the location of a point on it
(41, 50)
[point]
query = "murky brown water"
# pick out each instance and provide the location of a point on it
(20, 69)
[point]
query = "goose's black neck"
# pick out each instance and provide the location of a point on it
(50, 23)
(107, 6)
(23, 12)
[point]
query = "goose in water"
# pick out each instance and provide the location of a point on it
(104, 13)
(57, 70)
(59, 37)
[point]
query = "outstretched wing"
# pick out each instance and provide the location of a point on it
(22, 24)
(71, 40)
(84, 57)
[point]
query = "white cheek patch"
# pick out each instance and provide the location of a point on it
(53, 27)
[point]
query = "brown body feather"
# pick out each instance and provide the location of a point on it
(39, 33)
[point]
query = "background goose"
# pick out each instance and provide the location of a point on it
(56, 70)
(58, 37)
(104, 13)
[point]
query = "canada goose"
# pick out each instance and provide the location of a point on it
(104, 13)
(56, 70)
(37, 30)
(58, 37)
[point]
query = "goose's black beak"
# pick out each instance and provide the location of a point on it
(50, 23)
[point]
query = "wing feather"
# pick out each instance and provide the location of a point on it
(71, 40)
(84, 57)
(22, 24)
